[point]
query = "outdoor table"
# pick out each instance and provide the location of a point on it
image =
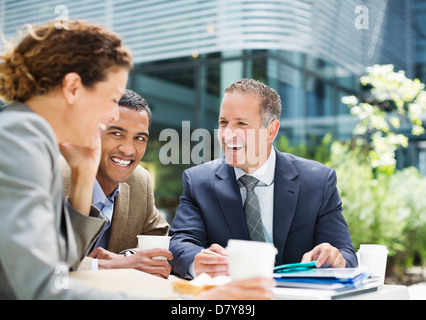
(140, 284)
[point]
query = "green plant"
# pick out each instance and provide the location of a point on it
(381, 208)
(392, 99)
(382, 205)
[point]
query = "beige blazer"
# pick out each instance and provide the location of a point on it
(134, 210)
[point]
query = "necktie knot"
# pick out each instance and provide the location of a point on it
(249, 182)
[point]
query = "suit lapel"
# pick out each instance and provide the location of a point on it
(286, 193)
(120, 216)
(229, 198)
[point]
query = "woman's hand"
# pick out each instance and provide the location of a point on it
(248, 289)
(84, 163)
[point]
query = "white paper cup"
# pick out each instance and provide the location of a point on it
(248, 259)
(374, 258)
(146, 242)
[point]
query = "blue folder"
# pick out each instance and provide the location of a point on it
(346, 277)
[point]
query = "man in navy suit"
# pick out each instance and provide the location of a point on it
(299, 204)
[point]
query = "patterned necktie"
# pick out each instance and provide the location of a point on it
(252, 209)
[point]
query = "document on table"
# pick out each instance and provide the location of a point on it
(323, 283)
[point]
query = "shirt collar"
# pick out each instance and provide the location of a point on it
(265, 173)
(99, 195)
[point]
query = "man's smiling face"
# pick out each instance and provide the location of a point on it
(123, 146)
(244, 141)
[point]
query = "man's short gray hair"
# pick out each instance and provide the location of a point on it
(270, 101)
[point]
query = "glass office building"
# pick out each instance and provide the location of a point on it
(186, 52)
(419, 24)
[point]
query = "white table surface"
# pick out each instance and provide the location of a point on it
(137, 283)
(384, 292)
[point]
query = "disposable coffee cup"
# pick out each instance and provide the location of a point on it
(373, 257)
(146, 242)
(249, 259)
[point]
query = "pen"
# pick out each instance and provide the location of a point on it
(211, 252)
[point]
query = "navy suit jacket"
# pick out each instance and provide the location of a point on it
(307, 211)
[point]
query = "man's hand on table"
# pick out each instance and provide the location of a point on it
(141, 260)
(326, 255)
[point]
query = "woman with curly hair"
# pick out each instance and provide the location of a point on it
(64, 86)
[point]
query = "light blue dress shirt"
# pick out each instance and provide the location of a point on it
(106, 205)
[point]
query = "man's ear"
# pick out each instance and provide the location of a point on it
(273, 128)
(71, 87)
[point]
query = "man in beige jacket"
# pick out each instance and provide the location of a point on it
(123, 192)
